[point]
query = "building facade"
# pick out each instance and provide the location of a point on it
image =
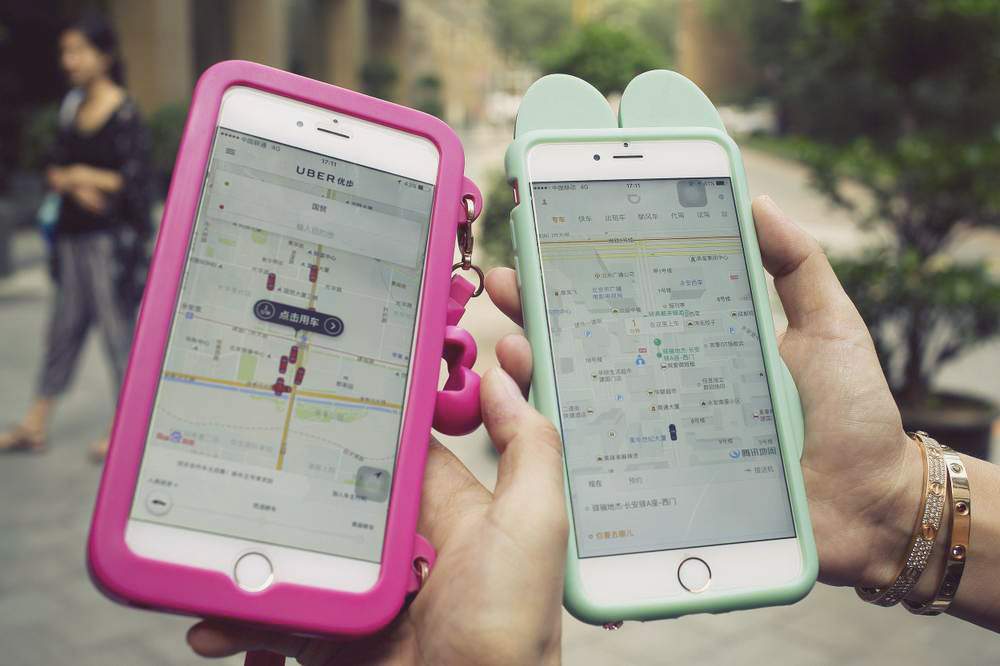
(437, 55)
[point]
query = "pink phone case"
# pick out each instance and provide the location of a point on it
(143, 582)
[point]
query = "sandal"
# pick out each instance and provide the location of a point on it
(21, 440)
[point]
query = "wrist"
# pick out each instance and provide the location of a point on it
(891, 522)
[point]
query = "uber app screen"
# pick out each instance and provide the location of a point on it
(279, 407)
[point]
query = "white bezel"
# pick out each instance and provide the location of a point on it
(293, 123)
(653, 576)
(551, 162)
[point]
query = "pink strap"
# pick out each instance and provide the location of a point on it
(456, 411)
(263, 658)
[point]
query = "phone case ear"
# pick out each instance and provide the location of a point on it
(561, 101)
(662, 98)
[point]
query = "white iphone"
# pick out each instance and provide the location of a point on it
(650, 354)
(271, 449)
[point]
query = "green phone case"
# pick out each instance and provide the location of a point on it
(657, 105)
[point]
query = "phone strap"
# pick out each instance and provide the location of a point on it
(456, 411)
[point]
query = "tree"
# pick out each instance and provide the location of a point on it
(524, 28)
(902, 97)
(494, 240)
(606, 56)
(379, 77)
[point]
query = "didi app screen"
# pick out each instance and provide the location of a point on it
(664, 404)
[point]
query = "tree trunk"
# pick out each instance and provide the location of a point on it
(915, 389)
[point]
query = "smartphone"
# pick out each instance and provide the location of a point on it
(267, 462)
(655, 356)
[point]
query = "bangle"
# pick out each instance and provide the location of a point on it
(925, 530)
(960, 535)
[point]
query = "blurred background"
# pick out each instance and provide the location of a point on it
(875, 124)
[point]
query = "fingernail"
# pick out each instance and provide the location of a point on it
(507, 385)
(770, 203)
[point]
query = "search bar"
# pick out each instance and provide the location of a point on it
(317, 214)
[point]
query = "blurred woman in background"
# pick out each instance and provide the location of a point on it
(99, 172)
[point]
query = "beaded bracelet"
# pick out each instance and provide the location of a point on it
(924, 531)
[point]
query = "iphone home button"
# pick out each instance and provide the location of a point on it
(694, 574)
(253, 572)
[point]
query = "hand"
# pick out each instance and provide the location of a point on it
(90, 199)
(863, 478)
(495, 593)
(58, 178)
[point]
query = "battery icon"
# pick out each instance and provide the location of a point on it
(720, 182)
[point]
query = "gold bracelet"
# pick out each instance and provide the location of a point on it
(960, 535)
(925, 530)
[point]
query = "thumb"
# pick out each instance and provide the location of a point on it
(530, 449)
(809, 290)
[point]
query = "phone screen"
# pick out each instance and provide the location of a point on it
(664, 404)
(278, 412)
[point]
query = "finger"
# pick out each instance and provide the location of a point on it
(529, 446)
(501, 285)
(450, 492)
(514, 354)
(216, 639)
(809, 289)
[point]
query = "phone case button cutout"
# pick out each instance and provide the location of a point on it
(253, 572)
(694, 575)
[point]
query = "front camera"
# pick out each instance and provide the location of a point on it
(597, 157)
(298, 124)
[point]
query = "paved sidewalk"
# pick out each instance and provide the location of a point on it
(50, 613)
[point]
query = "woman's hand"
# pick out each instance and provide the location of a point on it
(863, 477)
(495, 593)
(58, 178)
(84, 177)
(90, 199)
